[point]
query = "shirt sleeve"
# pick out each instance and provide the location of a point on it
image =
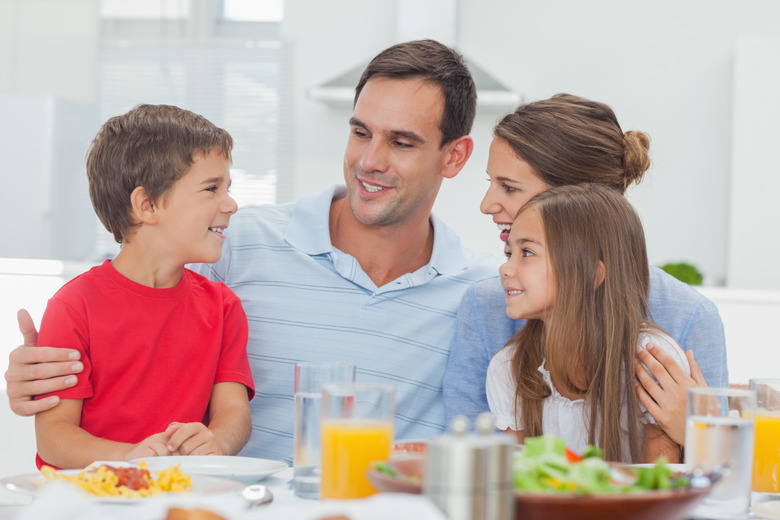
(482, 328)
(233, 361)
(500, 390)
(707, 340)
(63, 326)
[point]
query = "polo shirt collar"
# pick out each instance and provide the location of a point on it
(309, 232)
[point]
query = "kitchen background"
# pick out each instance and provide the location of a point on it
(700, 77)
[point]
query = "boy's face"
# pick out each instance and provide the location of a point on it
(195, 212)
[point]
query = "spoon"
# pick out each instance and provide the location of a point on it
(257, 495)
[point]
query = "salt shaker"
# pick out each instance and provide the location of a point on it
(500, 497)
(470, 476)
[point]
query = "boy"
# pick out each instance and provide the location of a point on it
(164, 349)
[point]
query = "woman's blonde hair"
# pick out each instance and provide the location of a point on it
(589, 342)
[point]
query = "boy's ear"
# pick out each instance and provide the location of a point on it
(143, 210)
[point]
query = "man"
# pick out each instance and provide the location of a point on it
(362, 273)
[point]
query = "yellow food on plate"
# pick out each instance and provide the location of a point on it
(125, 481)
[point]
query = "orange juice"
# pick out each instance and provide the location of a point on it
(348, 448)
(766, 453)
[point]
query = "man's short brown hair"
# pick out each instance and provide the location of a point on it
(437, 64)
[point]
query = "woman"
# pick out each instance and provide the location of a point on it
(571, 140)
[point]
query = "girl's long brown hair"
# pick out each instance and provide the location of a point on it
(589, 342)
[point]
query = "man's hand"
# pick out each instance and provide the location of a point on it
(153, 446)
(666, 403)
(192, 439)
(38, 370)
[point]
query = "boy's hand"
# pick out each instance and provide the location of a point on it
(153, 446)
(192, 439)
(38, 370)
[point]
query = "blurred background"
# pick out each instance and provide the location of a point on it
(700, 77)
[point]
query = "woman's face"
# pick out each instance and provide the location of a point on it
(512, 184)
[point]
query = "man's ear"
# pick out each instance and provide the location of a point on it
(142, 207)
(460, 151)
(601, 273)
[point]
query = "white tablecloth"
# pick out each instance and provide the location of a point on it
(60, 502)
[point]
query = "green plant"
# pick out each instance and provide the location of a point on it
(684, 272)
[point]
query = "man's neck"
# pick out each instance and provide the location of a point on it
(384, 252)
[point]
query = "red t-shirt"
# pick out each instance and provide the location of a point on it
(151, 356)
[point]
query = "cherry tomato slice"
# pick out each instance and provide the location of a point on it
(572, 457)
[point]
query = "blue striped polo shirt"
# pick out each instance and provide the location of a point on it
(307, 301)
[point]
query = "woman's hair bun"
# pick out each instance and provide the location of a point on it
(636, 156)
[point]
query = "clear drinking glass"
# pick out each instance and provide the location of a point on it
(309, 378)
(357, 429)
(719, 433)
(766, 452)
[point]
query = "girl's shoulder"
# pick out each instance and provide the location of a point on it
(652, 334)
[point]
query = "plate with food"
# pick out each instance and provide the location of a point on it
(552, 482)
(122, 483)
(408, 448)
(247, 470)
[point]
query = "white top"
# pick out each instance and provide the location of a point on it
(560, 416)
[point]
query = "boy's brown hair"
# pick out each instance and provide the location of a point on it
(150, 146)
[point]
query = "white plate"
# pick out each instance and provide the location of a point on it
(31, 483)
(242, 469)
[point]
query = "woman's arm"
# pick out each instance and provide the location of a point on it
(665, 400)
(230, 424)
(63, 443)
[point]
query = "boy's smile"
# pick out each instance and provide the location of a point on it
(194, 214)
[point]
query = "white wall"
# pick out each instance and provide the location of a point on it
(755, 180)
(666, 67)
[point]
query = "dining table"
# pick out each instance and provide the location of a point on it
(61, 501)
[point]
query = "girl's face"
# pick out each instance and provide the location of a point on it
(512, 184)
(527, 275)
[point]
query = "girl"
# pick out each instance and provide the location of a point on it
(577, 271)
(560, 141)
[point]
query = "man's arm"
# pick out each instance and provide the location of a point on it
(38, 370)
(230, 424)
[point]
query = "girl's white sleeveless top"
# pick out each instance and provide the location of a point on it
(561, 416)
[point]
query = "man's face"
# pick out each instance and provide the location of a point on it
(393, 163)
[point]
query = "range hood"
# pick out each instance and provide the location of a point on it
(340, 91)
(437, 19)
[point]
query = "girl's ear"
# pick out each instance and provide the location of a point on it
(601, 273)
(142, 207)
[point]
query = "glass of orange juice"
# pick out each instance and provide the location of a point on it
(766, 454)
(356, 430)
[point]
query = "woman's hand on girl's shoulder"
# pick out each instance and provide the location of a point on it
(665, 399)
